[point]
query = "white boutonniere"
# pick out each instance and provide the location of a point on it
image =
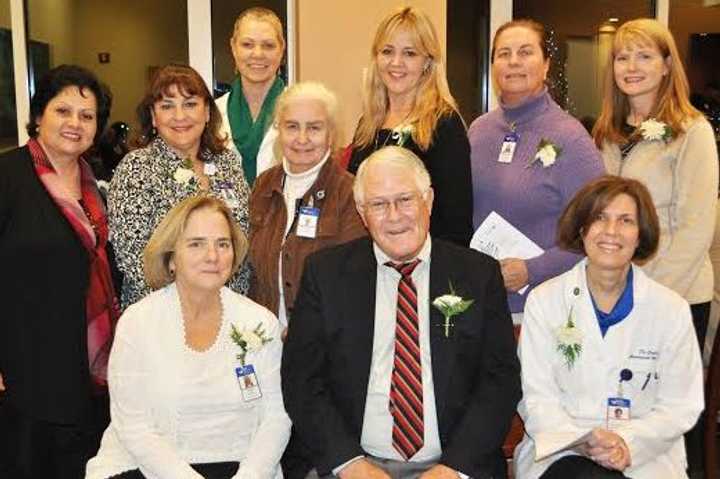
(184, 174)
(653, 130)
(209, 168)
(547, 152)
(451, 305)
(248, 341)
(569, 341)
(401, 133)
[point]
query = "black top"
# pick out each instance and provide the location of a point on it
(448, 162)
(43, 282)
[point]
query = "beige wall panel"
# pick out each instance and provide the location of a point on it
(138, 34)
(53, 22)
(334, 44)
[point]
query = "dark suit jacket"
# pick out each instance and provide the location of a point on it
(327, 357)
(44, 277)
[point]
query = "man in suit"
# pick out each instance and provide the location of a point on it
(375, 384)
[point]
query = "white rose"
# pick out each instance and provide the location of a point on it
(183, 175)
(446, 301)
(546, 155)
(209, 168)
(652, 130)
(569, 336)
(253, 341)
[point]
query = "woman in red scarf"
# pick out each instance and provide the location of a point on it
(56, 290)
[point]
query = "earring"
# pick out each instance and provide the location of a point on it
(172, 272)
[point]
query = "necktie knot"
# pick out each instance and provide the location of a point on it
(405, 269)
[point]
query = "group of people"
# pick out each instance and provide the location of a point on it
(291, 311)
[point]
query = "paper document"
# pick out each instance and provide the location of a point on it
(499, 239)
(559, 443)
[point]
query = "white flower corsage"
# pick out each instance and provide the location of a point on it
(209, 168)
(401, 133)
(451, 305)
(547, 152)
(569, 341)
(248, 341)
(653, 130)
(184, 174)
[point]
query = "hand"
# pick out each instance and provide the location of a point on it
(440, 471)
(608, 449)
(514, 272)
(2, 384)
(283, 335)
(362, 469)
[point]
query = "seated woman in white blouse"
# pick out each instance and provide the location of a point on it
(194, 372)
(611, 369)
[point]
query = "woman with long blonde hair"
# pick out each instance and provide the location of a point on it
(407, 102)
(648, 130)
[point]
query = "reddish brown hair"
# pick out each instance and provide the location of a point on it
(593, 198)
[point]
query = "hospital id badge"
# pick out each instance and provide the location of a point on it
(249, 384)
(228, 195)
(307, 222)
(508, 148)
(618, 411)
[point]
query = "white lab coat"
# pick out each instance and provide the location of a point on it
(656, 341)
(265, 157)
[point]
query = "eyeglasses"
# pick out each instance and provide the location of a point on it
(404, 203)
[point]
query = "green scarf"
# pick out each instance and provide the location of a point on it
(246, 134)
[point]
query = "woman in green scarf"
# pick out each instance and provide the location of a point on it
(258, 46)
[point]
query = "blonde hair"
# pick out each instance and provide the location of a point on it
(433, 100)
(672, 105)
(262, 15)
(309, 91)
(391, 155)
(161, 247)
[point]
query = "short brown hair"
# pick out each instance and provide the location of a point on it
(593, 198)
(530, 24)
(189, 83)
(160, 248)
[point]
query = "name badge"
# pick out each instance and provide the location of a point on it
(508, 148)
(618, 409)
(307, 222)
(228, 195)
(249, 384)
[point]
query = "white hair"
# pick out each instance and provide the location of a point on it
(396, 156)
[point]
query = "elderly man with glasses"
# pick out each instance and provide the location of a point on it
(400, 360)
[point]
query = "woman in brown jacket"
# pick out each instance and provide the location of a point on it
(299, 206)
(304, 203)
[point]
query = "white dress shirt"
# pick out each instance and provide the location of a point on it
(376, 436)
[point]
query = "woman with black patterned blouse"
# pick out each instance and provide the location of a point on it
(182, 154)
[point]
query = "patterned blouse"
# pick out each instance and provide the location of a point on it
(144, 188)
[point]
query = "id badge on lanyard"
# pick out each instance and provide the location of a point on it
(507, 151)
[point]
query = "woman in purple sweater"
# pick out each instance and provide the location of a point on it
(528, 157)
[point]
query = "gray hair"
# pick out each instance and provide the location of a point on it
(309, 91)
(391, 155)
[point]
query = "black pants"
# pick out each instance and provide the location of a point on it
(694, 438)
(216, 470)
(32, 448)
(579, 467)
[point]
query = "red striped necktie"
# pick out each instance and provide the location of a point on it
(406, 390)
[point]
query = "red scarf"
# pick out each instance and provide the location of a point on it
(89, 221)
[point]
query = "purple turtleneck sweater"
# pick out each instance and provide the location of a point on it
(531, 197)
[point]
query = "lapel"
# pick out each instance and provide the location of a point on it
(441, 348)
(359, 306)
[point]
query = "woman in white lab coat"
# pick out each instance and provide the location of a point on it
(611, 370)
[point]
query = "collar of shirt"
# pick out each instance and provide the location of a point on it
(424, 256)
